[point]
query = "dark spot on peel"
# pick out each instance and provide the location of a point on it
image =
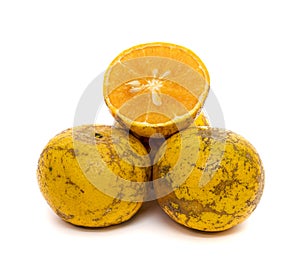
(98, 135)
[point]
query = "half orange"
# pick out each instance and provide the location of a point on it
(156, 88)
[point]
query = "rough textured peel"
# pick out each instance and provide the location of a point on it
(75, 155)
(221, 174)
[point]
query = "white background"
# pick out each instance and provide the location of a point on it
(51, 50)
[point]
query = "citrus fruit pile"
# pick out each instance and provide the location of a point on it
(161, 147)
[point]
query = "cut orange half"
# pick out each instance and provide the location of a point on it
(156, 88)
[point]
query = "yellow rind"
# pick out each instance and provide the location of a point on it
(153, 146)
(201, 120)
(222, 188)
(66, 188)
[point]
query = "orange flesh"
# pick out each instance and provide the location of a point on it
(175, 100)
(160, 49)
(138, 86)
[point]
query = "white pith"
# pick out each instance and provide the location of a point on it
(153, 85)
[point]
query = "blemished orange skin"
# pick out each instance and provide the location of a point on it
(69, 167)
(152, 144)
(213, 178)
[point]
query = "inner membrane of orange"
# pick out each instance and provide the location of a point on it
(152, 100)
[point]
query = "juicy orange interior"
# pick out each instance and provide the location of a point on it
(183, 55)
(158, 98)
(124, 93)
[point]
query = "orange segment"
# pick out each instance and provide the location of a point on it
(156, 88)
(169, 50)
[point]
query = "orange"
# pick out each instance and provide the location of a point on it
(156, 88)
